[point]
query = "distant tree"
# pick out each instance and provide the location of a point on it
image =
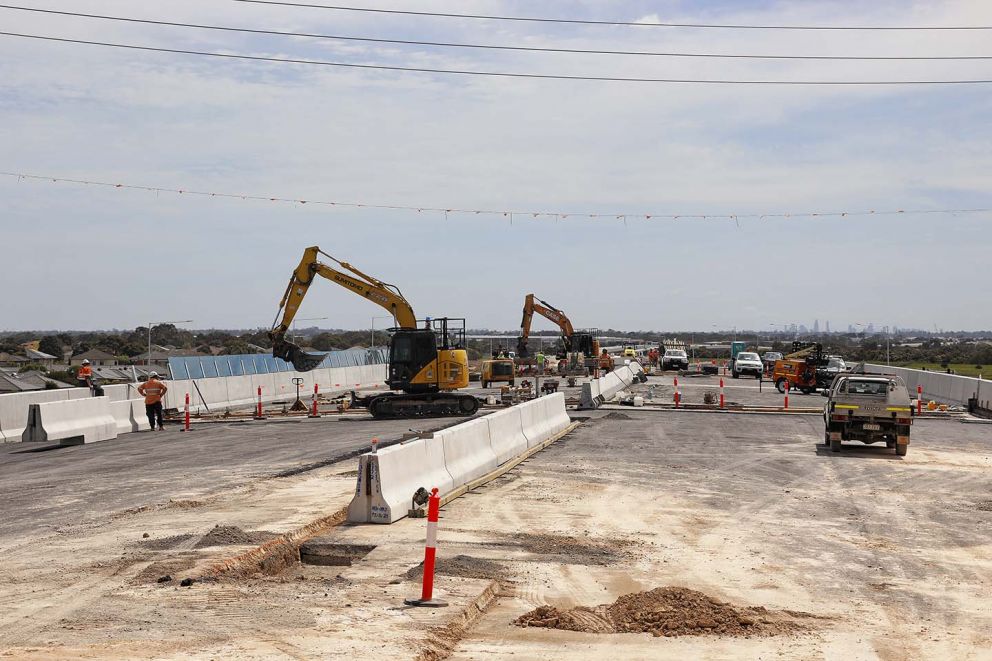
(51, 345)
(33, 367)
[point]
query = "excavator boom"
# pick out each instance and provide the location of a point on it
(549, 312)
(381, 293)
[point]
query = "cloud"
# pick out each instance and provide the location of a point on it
(431, 140)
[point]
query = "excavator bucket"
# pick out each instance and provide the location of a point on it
(301, 360)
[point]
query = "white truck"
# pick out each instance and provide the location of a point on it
(869, 408)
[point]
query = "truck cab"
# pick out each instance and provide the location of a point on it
(868, 408)
(675, 359)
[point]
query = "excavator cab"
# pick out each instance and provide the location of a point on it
(429, 358)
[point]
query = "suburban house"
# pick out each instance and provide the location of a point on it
(96, 357)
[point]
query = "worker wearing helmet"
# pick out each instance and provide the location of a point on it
(84, 377)
(606, 361)
(153, 391)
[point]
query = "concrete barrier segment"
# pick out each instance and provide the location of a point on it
(506, 434)
(71, 422)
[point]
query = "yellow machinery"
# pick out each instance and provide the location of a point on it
(572, 342)
(427, 359)
(498, 370)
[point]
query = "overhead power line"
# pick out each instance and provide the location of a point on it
(445, 44)
(528, 19)
(500, 74)
(505, 213)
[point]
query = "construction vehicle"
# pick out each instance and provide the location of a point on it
(427, 358)
(803, 368)
(498, 370)
(581, 350)
(869, 408)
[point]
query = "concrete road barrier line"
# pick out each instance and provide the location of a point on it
(397, 473)
(360, 507)
(506, 434)
(15, 407)
(71, 422)
(508, 466)
(122, 416)
(543, 417)
(468, 451)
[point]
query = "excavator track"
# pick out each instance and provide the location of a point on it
(430, 405)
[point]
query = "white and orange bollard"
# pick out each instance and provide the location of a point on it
(919, 400)
(430, 550)
(186, 415)
(722, 400)
(313, 406)
(258, 407)
(375, 445)
(786, 396)
(678, 395)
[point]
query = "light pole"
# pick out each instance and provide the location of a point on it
(373, 328)
(148, 356)
(306, 319)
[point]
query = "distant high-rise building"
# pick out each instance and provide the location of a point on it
(816, 326)
(828, 328)
(802, 329)
(850, 328)
(871, 327)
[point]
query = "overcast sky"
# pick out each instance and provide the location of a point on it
(88, 257)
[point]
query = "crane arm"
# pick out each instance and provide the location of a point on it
(381, 293)
(549, 312)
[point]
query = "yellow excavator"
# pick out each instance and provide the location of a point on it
(571, 341)
(427, 358)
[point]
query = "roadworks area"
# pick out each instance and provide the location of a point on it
(642, 534)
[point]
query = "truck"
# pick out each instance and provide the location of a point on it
(870, 408)
(498, 370)
(675, 359)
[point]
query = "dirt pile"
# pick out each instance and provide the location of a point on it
(668, 611)
(464, 566)
(232, 536)
(616, 416)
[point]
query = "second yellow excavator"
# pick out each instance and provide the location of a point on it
(571, 342)
(427, 359)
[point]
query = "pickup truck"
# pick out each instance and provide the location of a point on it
(675, 359)
(868, 408)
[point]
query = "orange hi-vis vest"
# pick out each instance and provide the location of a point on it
(85, 372)
(153, 390)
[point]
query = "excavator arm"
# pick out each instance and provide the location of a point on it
(549, 312)
(381, 293)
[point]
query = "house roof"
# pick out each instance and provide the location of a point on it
(11, 358)
(95, 354)
(40, 379)
(12, 384)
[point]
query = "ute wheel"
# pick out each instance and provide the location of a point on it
(835, 446)
(901, 449)
(780, 386)
(468, 405)
(735, 375)
(890, 444)
(826, 437)
(483, 384)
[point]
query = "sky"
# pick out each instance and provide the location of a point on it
(91, 257)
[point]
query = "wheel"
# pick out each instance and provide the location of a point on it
(806, 391)
(835, 446)
(513, 382)
(890, 444)
(901, 449)
(826, 437)
(484, 385)
(468, 405)
(735, 375)
(780, 385)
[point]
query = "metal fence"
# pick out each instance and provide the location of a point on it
(205, 367)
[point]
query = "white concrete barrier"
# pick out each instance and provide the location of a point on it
(543, 417)
(14, 408)
(506, 433)
(938, 386)
(120, 392)
(468, 452)
(139, 419)
(71, 422)
(388, 479)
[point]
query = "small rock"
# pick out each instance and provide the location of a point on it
(145, 536)
(164, 579)
(186, 582)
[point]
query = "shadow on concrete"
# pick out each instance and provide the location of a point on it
(44, 448)
(873, 451)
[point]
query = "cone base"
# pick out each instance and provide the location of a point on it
(426, 603)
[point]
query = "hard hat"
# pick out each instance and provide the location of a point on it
(86, 361)
(153, 375)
